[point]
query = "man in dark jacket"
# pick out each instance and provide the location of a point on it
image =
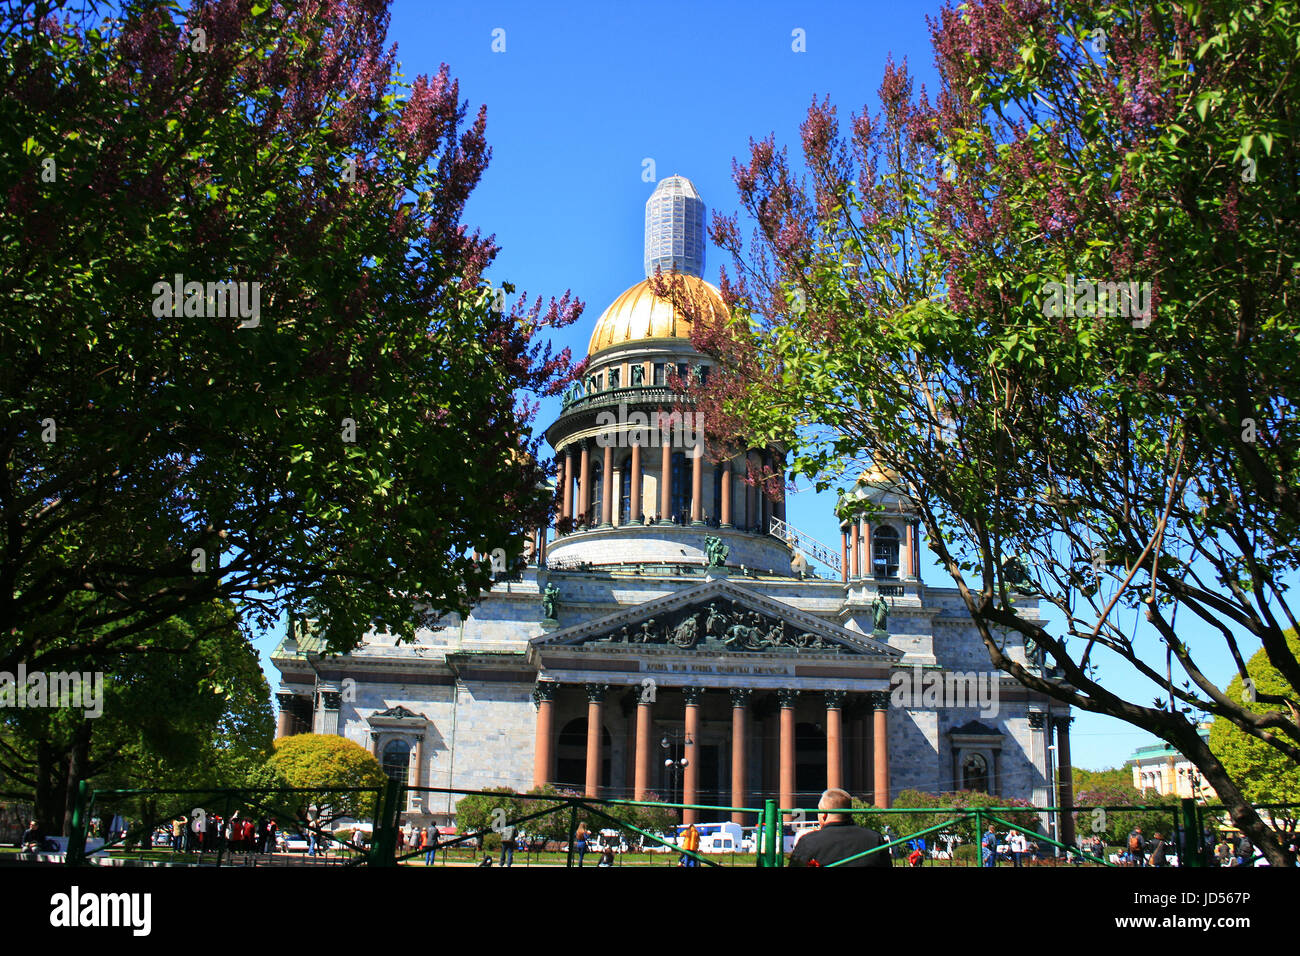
(838, 837)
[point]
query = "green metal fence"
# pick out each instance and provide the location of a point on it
(294, 807)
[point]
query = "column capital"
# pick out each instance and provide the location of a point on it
(1036, 720)
(330, 699)
(596, 693)
(787, 696)
(740, 696)
(544, 690)
(835, 698)
(879, 700)
(693, 694)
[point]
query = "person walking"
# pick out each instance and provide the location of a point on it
(1157, 857)
(508, 845)
(690, 844)
(1019, 848)
(989, 848)
(1137, 847)
(580, 842)
(429, 843)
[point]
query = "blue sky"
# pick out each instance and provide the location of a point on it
(585, 93)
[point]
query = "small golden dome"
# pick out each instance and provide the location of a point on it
(639, 314)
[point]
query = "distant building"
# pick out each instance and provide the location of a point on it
(1161, 768)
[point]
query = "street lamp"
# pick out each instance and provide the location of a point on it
(674, 743)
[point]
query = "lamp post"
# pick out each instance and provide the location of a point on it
(674, 745)
(1053, 797)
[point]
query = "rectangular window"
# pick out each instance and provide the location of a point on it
(659, 373)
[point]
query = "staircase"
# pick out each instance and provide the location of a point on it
(805, 544)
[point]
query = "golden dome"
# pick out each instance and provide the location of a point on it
(639, 314)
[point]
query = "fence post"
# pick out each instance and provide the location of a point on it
(77, 837)
(772, 830)
(573, 829)
(383, 846)
(1193, 845)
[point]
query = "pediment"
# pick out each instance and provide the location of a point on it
(718, 617)
(398, 713)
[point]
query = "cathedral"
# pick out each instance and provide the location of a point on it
(673, 636)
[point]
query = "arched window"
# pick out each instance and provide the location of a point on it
(597, 491)
(397, 760)
(884, 552)
(975, 774)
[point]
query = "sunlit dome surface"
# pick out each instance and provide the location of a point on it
(639, 314)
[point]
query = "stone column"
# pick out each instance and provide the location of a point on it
(560, 478)
(607, 485)
(595, 698)
(908, 568)
(880, 746)
(417, 764)
(691, 773)
(844, 556)
(568, 482)
(697, 490)
(584, 482)
(634, 516)
(666, 480)
(544, 746)
(853, 551)
(374, 745)
(644, 731)
(867, 563)
(787, 696)
(1065, 779)
(725, 516)
(739, 753)
(834, 740)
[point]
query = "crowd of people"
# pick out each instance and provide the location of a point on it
(206, 832)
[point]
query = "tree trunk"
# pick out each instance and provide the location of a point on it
(77, 762)
(1239, 809)
(45, 810)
